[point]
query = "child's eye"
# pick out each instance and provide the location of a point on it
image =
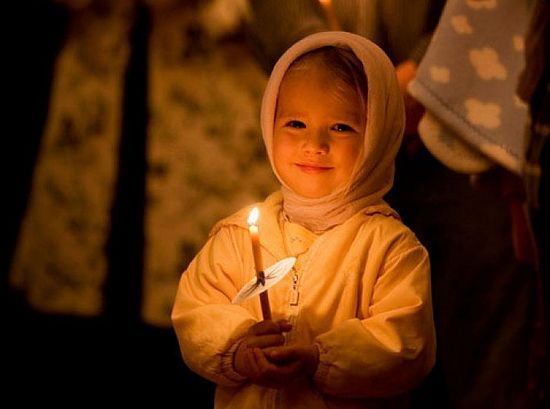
(296, 124)
(342, 128)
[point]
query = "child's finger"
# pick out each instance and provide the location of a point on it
(283, 354)
(265, 341)
(284, 325)
(264, 327)
(261, 361)
(252, 364)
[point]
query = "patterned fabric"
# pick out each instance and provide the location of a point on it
(481, 55)
(469, 89)
(205, 158)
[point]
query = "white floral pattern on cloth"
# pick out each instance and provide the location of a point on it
(59, 262)
(205, 156)
(467, 82)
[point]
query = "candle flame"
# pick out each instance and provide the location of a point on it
(253, 216)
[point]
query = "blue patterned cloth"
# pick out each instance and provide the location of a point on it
(467, 82)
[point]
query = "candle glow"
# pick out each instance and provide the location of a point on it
(255, 237)
(258, 264)
(330, 14)
(253, 217)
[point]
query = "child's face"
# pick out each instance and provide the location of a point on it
(318, 132)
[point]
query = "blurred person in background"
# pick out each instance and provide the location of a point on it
(485, 91)
(147, 133)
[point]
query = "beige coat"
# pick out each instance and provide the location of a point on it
(362, 294)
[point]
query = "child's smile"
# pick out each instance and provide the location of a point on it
(313, 168)
(318, 131)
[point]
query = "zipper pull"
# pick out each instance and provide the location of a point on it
(294, 293)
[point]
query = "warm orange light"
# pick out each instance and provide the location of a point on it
(330, 15)
(253, 217)
(255, 237)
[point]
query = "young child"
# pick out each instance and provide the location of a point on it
(352, 321)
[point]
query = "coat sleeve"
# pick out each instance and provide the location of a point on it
(207, 325)
(393, 348)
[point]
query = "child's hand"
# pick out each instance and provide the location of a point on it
(279, 366)
(263, 335)
(305, 357)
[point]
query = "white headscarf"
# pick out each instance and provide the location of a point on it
(373, 174)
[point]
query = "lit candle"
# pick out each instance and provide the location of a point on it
(258, 264)
(255, 237)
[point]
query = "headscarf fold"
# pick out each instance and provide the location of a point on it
(373, 174)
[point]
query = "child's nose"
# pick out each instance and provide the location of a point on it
(316, 142)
